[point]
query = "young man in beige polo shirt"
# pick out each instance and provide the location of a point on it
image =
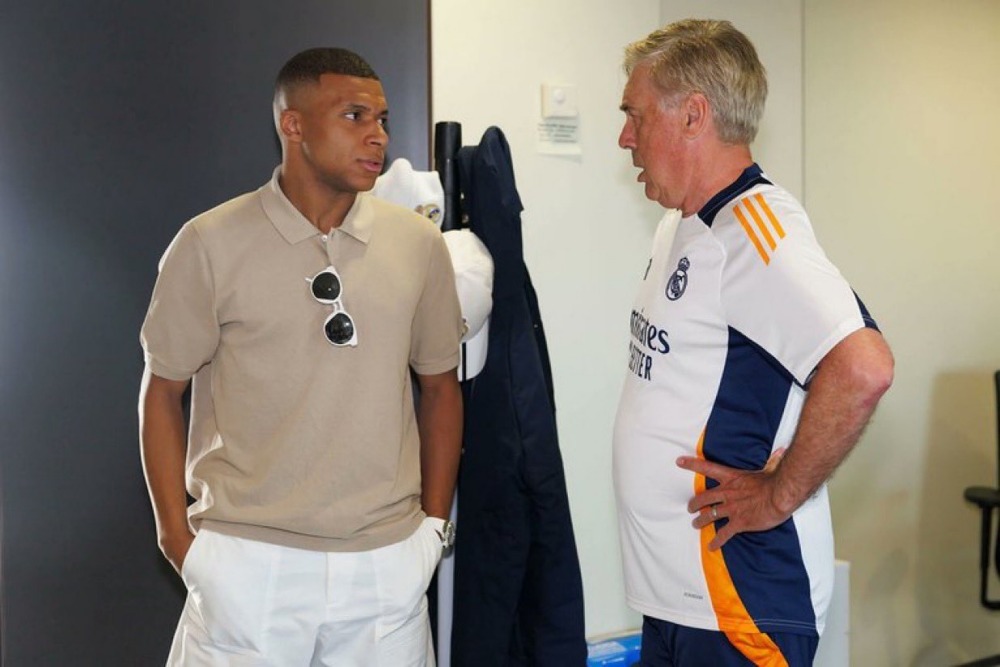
(297, 312)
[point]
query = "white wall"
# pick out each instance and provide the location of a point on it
(901, 151)
(587, 226)
(902, 159)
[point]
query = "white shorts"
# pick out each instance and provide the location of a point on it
(254, 604)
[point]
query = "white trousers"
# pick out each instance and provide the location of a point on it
(253, 604)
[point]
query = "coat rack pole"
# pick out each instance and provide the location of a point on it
(447, 141)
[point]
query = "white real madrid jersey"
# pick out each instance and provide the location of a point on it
(737, 307)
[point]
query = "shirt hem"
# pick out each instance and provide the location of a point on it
(167, 373)
(804, 372)
(285, 538)
(436, 367)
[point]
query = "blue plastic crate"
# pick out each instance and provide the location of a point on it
(619, 651)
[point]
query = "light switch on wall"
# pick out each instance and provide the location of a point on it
(559, 101)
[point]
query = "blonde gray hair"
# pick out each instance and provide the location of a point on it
(712, 58)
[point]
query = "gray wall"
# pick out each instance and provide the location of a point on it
(118, 122)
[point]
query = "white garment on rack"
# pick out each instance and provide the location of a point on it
(421, 191)
(474, 283)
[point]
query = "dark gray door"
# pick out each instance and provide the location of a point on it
(118, 122)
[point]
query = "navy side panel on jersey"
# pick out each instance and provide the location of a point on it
(766, 568)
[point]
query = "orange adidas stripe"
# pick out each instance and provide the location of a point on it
(699, 480)
(760, 223)
(770, 215)
(731, 614)
(752, 234)
(758, 648)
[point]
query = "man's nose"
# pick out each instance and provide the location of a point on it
(625, 138)
(379, 136)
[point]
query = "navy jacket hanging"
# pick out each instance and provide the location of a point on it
(518, 590)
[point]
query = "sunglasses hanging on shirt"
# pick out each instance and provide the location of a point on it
(327, 288)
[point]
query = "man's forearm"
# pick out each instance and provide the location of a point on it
(841, 399)
(440, 423)
(162, 437)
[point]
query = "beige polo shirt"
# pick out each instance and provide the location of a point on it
(293, 440)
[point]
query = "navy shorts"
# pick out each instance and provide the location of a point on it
(666, 644)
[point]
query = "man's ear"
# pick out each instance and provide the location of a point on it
(697, 115)
(290, 124)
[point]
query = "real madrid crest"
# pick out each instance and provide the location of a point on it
(431, 211)
(678, 281)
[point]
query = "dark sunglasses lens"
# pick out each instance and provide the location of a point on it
(326, 287)
(340, 329)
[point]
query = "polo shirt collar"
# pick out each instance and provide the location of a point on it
(294, 227)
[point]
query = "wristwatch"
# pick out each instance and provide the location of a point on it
(447, 535)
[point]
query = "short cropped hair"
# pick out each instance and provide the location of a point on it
(307, 66)
(712, 58)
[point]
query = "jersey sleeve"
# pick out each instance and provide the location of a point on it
(181, 331)
(779, 289)
(437, 323)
